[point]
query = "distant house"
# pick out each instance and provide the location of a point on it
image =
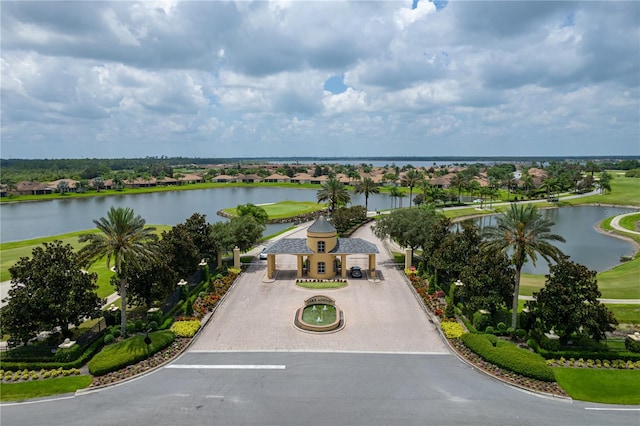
(4, 191)
(167, 181)
(443, 182)
(224, 179)
(302, 178)
(250, 178)
(277, 178)
(70, 182)
(141, 182)
(32, 188)
(190, 178)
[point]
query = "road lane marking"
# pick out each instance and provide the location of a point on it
(611, 409)
(226, 367)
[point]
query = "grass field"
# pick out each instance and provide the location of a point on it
(11, 252)
(629, 222)
(604, 386)
(624, 192)
(284, 209)
(41, 388)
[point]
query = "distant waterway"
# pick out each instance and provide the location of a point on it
(583, 244)
(23, 221)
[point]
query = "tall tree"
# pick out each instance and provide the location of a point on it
(394, 193)
(123, 239)
(605, 182)
(333, 192)
(49, 290)
(487, 282)
(257, 212)
(411, 179)
(367, 187)
(525, 233)
(568, 303)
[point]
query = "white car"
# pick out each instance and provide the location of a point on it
(263, 254)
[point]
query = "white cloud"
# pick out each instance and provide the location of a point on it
(236, 77)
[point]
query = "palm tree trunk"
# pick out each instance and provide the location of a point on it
(123, 307)
(516, 291)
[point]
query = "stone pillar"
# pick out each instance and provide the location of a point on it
(343, 259)
(372, 265)
(236, 257)
(270, 266)
(407, 258)
(299, 257)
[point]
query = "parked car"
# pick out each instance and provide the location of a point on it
(263, 254)
(356, 272)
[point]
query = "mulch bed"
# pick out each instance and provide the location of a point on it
(551, 388)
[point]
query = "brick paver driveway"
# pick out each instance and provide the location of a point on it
(379, 316)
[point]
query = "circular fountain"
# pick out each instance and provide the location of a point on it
(319, 314)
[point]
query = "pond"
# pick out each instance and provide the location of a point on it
(583, 244)
(22, 221)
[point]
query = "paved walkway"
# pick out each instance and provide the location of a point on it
(615, 224)
(379, 316)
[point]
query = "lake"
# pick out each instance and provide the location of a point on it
(22, 221)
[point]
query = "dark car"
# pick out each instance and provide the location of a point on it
(356, 272)
(263, 254)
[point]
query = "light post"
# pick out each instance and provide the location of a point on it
(459, 284)
(182, 284)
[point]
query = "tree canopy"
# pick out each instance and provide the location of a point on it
(568, 303)
(49, 290)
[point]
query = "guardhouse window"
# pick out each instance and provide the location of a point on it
(321, 267)
(321, 246)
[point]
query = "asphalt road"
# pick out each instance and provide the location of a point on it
(315, 389)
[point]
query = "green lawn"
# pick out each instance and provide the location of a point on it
(625, 314)
(41, 388)
(624, 192)
(284, 209)
(604, 386)
(629, 222)
(11, 252)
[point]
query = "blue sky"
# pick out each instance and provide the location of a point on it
(302, 78)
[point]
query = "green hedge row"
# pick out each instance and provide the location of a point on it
(508, 356)
(79, 362)
(128, 352)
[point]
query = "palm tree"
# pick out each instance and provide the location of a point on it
(411, 179)
(123, 240)
(366, 186)
(460, 182)
(334, 192)
(394, 193)
(523, 230)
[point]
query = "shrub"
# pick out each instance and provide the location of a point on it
(116, 333)
(492, 338)
(153, 326)
(452, 329)
(68, 355)
(108, 339)
(510, 357)
(139, 324)
(128, 352)
(521, 334)
(502, 327)
(131, 328)
(489, 330)
(185, 328)
(631, 345)
(481, 321)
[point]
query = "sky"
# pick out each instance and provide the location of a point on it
(220, 79)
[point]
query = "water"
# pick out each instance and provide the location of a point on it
(22, 221)
(583, 243)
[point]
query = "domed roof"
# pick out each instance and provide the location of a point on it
(321, 226)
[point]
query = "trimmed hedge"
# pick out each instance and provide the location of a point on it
(86, 356)
(510, 357)
(128, 352)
